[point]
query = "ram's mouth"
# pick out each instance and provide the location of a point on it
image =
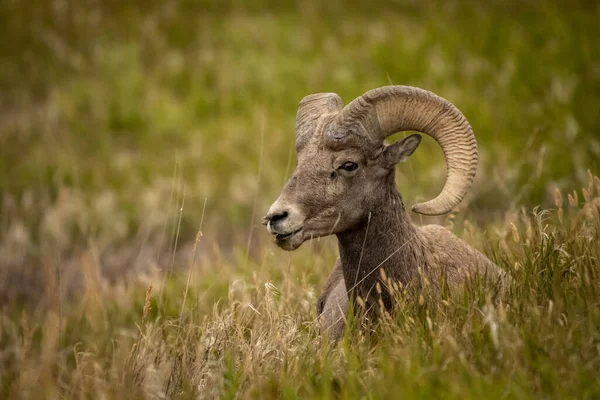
(289, 241)
(285, 236)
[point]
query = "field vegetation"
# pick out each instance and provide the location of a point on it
(142, 141)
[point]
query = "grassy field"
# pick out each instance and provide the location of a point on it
(141, 144)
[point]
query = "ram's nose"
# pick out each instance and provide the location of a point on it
(282, 218)
(276, 217)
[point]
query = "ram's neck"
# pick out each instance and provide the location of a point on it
(387, 240)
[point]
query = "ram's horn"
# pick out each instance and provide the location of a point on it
(383, 111)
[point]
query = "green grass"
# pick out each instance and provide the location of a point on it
(125, 130)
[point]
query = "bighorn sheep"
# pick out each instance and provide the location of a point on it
(344, 184)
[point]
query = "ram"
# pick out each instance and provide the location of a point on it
(344, 184)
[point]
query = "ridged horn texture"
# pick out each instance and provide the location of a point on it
(310, 109)
(383, 111)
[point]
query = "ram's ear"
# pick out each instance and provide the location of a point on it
(401, 150)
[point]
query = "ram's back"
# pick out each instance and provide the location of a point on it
(449, 256)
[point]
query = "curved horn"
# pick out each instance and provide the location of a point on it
(310, 109)
(383, 111)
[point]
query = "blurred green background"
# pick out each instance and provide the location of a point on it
(122, 124)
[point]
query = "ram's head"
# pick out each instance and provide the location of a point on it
(345, 169)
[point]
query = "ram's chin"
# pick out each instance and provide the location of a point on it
(290, 243)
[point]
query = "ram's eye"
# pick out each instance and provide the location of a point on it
(349, 166)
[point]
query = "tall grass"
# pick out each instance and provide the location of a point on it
(257, 337)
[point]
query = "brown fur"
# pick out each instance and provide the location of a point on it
(400, 248)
